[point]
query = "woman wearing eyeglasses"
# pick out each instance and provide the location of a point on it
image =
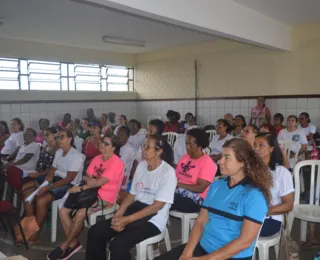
(104, 171)
(144, 212)
(66, 171)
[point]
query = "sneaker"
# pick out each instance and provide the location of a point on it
(71, 251)
(55, 254)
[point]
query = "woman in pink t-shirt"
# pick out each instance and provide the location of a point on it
(195, 172)
(104, 171)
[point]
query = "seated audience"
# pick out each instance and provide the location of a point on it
(192, 123)
(309, 129)
(260, 114)
(92, 143)
(112, 122)
(229, 118)
(15, 139)
(65, 123)
(78, 142)
(195, 172)
(295, 134)
(233, 211)
(43, 125)
(127, 155)
(28, 154)
(122, 122)
(91, 116)
(239, 124)
(249, 133)
(267, 128)
(84, 132)
(105, 172)
(184, 124)
(172, 125)
(144, 212)
(77, 125)
(222, 128)
(282, 191)
(136, 138)
(105, 127)
(277, 122)
(65, 172)
(4, 133)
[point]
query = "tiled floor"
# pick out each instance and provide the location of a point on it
(40, 251)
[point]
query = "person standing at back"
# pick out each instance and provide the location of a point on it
(260, 114)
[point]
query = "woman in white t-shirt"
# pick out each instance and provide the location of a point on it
(282, 191)
(16, 138)
(65, 172)
(223, 129)
(295, 134)
(144, 212)
(309, 129)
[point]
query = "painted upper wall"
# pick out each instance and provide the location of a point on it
(228, 68)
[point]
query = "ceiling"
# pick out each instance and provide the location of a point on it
(291, 12)
(75, 24)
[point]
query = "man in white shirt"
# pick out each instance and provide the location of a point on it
(28, 154)
(127, 153)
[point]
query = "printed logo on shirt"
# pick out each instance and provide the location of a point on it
(139, 186)
(295, 138)
(185, 168)
(99, 171)
(233, 205)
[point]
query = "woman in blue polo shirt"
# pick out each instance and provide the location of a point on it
(234, 209)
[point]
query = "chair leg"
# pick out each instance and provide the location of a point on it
(303, 231)
(184, 230)
(22, 232)
(150, 252)
(5, 190)
(167, 240)
(277, 250)
(263, 253)
(4, 225)
(141, 252)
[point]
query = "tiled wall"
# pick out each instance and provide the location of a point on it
(208, 110)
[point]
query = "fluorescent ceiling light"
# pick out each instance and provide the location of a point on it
(123, 41)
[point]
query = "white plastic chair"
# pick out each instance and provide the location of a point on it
(211, 134)
(171, 137)
(187, 223)
(288, 147)
(145, 247)
(264, 243)
(307, 212)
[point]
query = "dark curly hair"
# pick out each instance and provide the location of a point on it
(158, 124)
(255, 169)
(200, 136)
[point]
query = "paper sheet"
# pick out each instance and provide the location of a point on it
(31, 197)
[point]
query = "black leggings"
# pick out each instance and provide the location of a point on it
(101, 233)
(184, 205)
(175, 253)
(270, 227)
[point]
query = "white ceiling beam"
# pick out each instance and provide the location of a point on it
(224, 18)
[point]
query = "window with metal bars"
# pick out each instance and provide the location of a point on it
(20, 74)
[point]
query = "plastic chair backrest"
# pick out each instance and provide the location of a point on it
(315, 176)
(15, 177)
(119, 185)
(211, 134)
(171, 137)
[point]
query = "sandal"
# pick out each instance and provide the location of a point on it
(310, 244)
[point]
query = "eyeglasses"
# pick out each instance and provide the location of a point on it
(105, 143)
(146, 146)
(60, 137)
